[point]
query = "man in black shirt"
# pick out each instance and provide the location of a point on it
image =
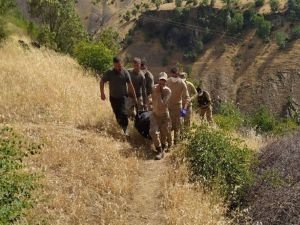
(205, 104)
(119, 85)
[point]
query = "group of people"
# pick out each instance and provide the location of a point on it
(169, 100)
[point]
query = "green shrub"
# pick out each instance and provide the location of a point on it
(229, 116)
(249, 16)
(281, 39)
(218, 159)
(16, 184)
(178, 3)
(111, 39)
(259, 3)
(294, 9)
(263, 27)
(94, 56)
(263, 120)
(236, 23)
(285, 126)
(296, 32)
(274, 4)
(199, 47)
(3, 33)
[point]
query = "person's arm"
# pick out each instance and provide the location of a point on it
(193, 93)
(166, 96)
(131, 87)
(103, 80)
(144, 93)
(103, 97)
(185, 96)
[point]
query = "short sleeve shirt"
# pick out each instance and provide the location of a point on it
(117, 82)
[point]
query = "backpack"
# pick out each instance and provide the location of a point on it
(142, 123)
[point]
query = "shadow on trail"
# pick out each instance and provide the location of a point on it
(140, 146)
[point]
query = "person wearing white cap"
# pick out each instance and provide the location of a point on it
(160, 122)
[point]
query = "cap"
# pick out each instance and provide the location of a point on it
(183, 75)
(137, 60)
(163, 76)
(116, 59)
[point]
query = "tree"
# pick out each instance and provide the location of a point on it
(93, 56)
(229, 3)
(281, 39)
(294, 9)
(259, 3)
(236, 23)
(263, 27)
(61, 20)
(178, 3)
(110, 39)
(5, 5)
(274, 4)
(296, 33)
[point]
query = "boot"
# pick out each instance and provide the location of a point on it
(160, 153)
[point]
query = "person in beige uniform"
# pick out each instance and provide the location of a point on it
(178, 102)
(160, 118)
(193, 95)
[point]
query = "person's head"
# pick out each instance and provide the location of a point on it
(199, 90)
(183, 75)
(174, 72)
(136, 63)
(144, 64)
(162, 79)
(117, 63)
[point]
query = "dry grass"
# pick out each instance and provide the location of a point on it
(87, 174)
(43, 86)
(189, 203)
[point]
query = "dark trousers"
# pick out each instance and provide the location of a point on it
(119, 109)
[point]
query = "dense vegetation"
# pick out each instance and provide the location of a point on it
(218, 159)
(230, 118)
(16, 184)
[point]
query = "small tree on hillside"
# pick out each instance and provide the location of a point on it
(281, 39)
(274, 4)
(259, 3)
(111, 39)
(294, 9)
(5, 5)
(178, 3)
(61, 20)
(236, 23)
(263, 27)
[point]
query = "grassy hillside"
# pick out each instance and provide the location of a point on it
(88, 174)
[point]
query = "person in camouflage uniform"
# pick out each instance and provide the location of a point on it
(205, 104)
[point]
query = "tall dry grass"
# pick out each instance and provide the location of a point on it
(87, 173)
(44, 86)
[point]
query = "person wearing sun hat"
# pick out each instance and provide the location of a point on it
(160, 117)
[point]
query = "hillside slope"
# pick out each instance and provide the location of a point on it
(89, 174)
(242, 69)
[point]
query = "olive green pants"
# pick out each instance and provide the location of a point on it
(176, 124)
(206, 112)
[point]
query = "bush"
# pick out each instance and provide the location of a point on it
(215, 158)
(263, 27)
(281, 39)
(94, 56)
(236, 23)
(178, 3)
(259, 3)
(263, 120)
(16, 184)
(294, 9)
(229, 116)
(3, 33)
(285, 126)
(111, 39)
(198, 47)
(274, 4)
(249, 16)
(296, 33)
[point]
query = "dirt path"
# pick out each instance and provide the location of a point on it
(146, 207)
